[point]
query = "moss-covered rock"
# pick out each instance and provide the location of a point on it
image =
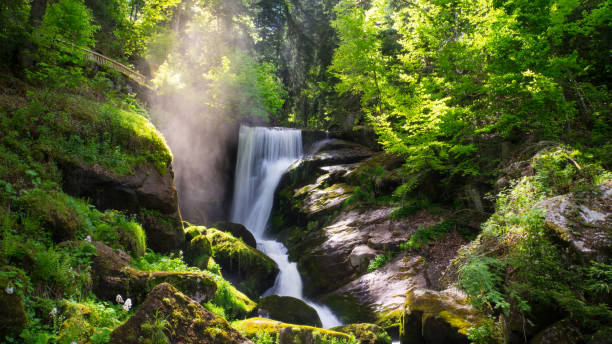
(113, 275)
(289, 310)
(253, 327)
(561, 332)
(437, 317)
(198, 252)
(52, 209)
(193, 231)
(13, 318)
(250, 270)
(170, 314)
(238, 231)
(365, 333)
(164, 231)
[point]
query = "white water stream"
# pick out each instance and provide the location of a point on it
(264, 155)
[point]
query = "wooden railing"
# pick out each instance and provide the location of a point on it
(112, 64)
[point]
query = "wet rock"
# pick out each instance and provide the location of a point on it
(379, 296)
(238, 231)
(113, 275)
(147, 188)
(437, 317)
(250, 270)
(291, 333)
(289, 310)
(186, 321)
(198, 252)
(583, 221)
(366, 333)
(561, 332)
(331, 153)
(361, 255)
(326, 263)
(13, 317)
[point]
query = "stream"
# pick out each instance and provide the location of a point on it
(264, 154)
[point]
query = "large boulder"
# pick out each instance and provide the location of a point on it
(437, 317)
(250, 270)
(287, 333)
(169, 313)
(198, 252)
(146, 188)
(365, 333)
(289, 310)
(583, 221)
(325, 258)
(238, 231)
(13, 317)
(379, 296)
(113, 275)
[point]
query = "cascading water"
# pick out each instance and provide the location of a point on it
(264, 154)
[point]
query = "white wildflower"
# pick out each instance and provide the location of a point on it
(127, 305)
(119, 299)
(9, 290)
(88, 239)
(53, 312)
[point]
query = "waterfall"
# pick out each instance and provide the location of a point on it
(264, 155)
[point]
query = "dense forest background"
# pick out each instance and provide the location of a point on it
(460, 91)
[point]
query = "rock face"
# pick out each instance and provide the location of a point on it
(289, 310)
(112, 275)
(287, 333)
(12, 313)
(583, 221)
(238, 231)
(334, 240)
(186, 321)
(251, 271)
(366, 333)
(146, 189)
(437, 317)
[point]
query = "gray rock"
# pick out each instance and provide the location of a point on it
(361, 255)
(288, 310)
(583, 221)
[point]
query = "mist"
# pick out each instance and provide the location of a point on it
(192, 107)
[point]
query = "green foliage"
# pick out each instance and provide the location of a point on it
(438, 80)
(261, 91)
(264, 338)
(379, 261)
(426, 235)
(514, 264)
(153, 330)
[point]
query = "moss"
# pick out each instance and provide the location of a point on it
(253, 327)
(53, 211)
(193, 231)
(366, 333)
(13, 285)
(254, 270)
(187, 321)
(198, 252)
